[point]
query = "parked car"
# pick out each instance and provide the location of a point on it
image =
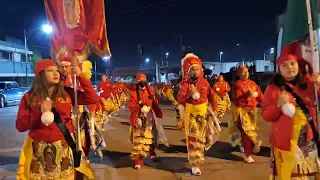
(10, 93)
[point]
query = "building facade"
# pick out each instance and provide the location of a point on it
(13, 63)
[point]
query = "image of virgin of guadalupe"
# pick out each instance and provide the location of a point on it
(71, 12)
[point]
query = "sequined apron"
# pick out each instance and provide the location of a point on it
(301, 162)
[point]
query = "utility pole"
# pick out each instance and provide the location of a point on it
(181, 45)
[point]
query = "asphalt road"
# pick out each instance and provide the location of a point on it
(222, 161)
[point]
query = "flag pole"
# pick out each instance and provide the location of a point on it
(76, 107)
(315, 56)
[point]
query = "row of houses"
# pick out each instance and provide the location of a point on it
(13, 63)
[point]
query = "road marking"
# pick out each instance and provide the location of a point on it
(9, 150)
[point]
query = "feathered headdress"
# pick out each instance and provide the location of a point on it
(188, 61)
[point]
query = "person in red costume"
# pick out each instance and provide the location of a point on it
(145, 125)
(222, 88)
(197, 97)
(246, 95)
(45, 140)
(289, 104)
(105, 87)
(121, 92)
(108, 93)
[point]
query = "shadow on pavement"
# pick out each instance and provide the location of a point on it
(118, 159)
(125, 123)
(169, 127)
(224, 124)
(170, 164)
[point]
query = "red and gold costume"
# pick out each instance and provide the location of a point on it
(145, 127)
(243, 127)
(199, 128)
(122, 93)
(294, 150)
(167, 94)
(108, 93)
(45, 150)
(221, 89)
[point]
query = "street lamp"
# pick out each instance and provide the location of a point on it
(167, 55)
(271, 51)
(45, 28)
(147, 60)
(221, 53)
(105, 58)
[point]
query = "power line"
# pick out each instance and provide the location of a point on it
(155, 5)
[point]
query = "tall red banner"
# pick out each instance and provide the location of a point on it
(78, 25)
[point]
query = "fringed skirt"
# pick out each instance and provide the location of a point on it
(223, 104)
(248, 119)
(179, 117)
(110, 105)
(200, 132)
(142, 138)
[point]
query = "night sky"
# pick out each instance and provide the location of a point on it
(207, 26)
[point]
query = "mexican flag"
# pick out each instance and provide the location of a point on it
(295, 30)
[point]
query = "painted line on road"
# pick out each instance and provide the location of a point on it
(9, 150)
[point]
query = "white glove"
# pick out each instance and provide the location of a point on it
(145, 109)
(196, 96)
(288, 109)
(254, 94)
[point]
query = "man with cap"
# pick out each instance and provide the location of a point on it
(196, 95)
(246, 95)
(145, 127)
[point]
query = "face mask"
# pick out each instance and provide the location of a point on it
(142, 84)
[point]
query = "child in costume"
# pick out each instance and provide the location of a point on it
(243, 127)
(46, 153)
(222, 88)
(199, 103)
(289, 104)
(145, 127)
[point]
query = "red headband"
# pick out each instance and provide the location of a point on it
(287, 57)
(140, 76)
(43, 64)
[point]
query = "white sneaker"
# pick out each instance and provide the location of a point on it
(137, 167)
(248, 159)
(196, 171)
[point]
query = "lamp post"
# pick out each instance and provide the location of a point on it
(105, 58)
(221, 53)
(47, 29)
(271, 51)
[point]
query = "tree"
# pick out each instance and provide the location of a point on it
(34, 59)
